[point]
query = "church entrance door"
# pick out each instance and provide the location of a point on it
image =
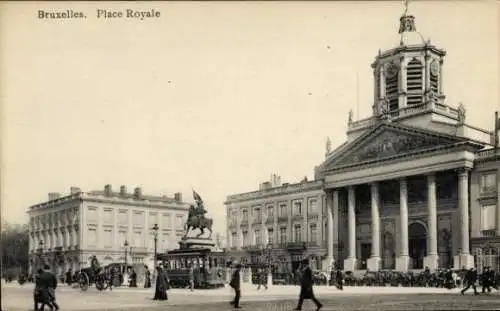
(417, 244)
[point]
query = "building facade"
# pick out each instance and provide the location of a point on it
(66, 231)
(281, 222)
(413, 186)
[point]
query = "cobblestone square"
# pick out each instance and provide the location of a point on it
(16, 298)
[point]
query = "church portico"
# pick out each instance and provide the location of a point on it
(402, 224)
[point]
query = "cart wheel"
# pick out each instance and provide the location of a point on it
(83, 281)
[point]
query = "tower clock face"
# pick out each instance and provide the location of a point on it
(434, 68)
(391, 70)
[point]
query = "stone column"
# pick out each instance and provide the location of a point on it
(350, 263)
(498, 206)
(373, 263)
(403, 260)
(329, 213)
(431, 260)
(464, 259)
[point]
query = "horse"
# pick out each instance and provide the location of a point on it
(199, 222)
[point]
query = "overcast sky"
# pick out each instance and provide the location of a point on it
(211, 96)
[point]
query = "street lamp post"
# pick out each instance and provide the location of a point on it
(125, 247)
(155, 259)
(41, 253)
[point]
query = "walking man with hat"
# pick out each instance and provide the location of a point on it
(306, 287)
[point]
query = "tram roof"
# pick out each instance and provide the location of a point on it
(191, 252)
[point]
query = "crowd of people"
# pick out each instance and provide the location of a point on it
(46, 282)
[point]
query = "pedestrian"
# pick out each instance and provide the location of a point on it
(236, 285)
(339, 279)
(261, 279)
(470, 279)
(161, 285)
(133, 278)
(306, 287)
(147, 278)
(46, 285)
(69, 276)
(485, 280)
(191, 277)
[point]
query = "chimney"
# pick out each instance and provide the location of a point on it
(123, 190)
(178, 196)
(137, 192)
(74, 190)
(54, 195)
(107, 190)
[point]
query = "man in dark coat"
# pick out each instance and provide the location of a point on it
(46, 285)
(306, 287)
(339, 279)
(470, 280)
(235, 284)
(485, 280)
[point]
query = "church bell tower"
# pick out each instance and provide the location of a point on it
(409, 75)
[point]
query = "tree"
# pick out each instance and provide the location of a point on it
(14, 248)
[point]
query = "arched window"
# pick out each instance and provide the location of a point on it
(414, 82)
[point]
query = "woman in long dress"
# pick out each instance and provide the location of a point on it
(161, 285)
(147, 276)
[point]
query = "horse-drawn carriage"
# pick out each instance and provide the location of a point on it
(95, 274)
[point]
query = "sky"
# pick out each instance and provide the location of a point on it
(215, 96)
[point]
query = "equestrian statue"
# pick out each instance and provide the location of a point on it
(197, 219)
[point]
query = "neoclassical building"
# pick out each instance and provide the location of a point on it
(66, 231)
(413, 185)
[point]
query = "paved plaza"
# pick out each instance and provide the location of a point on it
(16, 298)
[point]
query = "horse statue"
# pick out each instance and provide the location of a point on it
(197, 219)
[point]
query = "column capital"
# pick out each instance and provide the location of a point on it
(463, 172)
(431, 177)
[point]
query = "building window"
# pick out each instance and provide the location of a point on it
(108, 238)
(167, 221)
(270, 211)
(270, 235)
(180, 222)
(297, 208)
(123, 218)
(488, 217)
(92, 237)
(282, 210)
(244, 215)
(488, 183)
(234, 239)
(245, 238)
(91, 215)
(165, 240)
(122, 237)
(313, 206)
(257, 217)
(137, 239)
(313, 233)
(138, 219)
(258, 239)
(282, 235)
(298, 233)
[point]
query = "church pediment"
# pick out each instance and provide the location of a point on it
(386, 141)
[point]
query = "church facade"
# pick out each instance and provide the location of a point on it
(413, 186)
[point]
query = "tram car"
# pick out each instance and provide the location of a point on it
(208, 268)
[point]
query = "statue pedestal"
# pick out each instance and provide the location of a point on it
(194, 242)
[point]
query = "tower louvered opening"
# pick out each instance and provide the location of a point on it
(434, 83)
(391, 91)
(414, 82)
